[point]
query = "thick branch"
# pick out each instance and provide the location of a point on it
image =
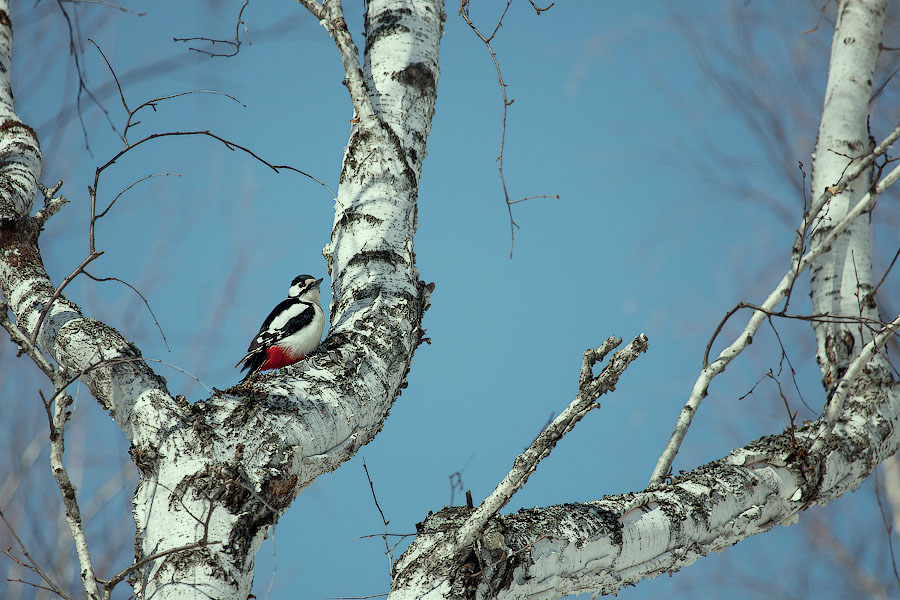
(603, 546)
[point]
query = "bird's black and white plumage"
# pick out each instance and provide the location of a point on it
(291, 331)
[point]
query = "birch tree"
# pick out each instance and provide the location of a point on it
(216, 475)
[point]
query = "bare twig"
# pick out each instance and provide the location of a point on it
(486, 40)
(589, 389)
(848, 176)
(129, 146)
(556, 196)
(888, 527)
(227, 143)
(32, 563)
(820, 534)
(119, 195)
(456, 481)
(387, 548)
(124, 360)
(817, 318)
(136, 291)
(76, 52)
(785, 357)
(538, 9)
(236, 44)
(871, 294)
(109, 5)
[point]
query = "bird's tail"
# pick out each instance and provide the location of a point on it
(252, 362)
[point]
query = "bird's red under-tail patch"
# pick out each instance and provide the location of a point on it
(277, 358)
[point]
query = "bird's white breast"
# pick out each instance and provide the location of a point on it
(307, 339)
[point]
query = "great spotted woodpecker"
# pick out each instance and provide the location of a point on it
(291, 331)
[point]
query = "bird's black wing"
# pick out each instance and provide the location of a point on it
(290, 315)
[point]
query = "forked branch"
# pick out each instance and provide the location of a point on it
(589, 389)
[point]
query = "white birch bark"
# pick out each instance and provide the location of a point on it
(216, 475)
(841, 278)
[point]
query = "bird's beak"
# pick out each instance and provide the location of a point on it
(318, 281)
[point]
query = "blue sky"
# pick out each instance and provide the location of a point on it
(611, 112)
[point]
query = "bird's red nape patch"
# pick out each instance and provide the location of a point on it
(277, 358)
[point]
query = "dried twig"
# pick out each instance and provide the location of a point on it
(143, 299)
(108, 585)
(486, 40)
(32, 564)
(236, 44)
(76, 51)
(874, 291)
(387, 547)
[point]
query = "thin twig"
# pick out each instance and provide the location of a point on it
(119, 195)
(109, 5)
(556, 196)
(227, 143)
(538, 9)
(236, 44)
(817, 318)
(124, 360)
(82, 81)
(121, 575)
(871, 294)
(784, 356)
(136, 291)
(486, 40)
(387, 549)
(33, 566)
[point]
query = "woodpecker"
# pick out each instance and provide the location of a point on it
(291, 331)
